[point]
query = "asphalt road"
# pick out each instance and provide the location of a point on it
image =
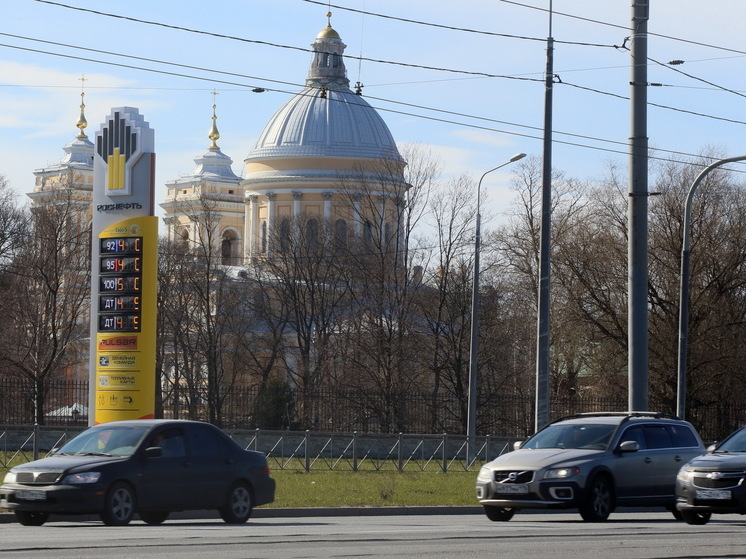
(627, 535)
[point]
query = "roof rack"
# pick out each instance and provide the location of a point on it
(627, 414)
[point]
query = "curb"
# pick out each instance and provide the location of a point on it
(311, 512)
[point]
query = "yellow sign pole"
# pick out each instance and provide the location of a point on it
(124, 270)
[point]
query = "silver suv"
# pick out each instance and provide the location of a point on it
(593, 462)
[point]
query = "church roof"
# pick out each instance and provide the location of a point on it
(326, 119)
(78, 153)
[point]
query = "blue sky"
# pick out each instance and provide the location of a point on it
(478, 121)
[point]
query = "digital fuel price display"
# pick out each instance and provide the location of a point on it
(120, 284)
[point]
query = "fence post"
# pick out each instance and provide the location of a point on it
(487, 449)
(354, 451)
(256, 439)
(308, 450)
(36, 441)
(444, 465)
(400, 466)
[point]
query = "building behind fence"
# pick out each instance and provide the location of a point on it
(348, 411)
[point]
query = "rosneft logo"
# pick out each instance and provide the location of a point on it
(116, 145)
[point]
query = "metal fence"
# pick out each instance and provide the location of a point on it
(302, 450)
(350, 411)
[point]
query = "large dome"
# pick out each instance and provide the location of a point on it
(320, 122)
(324, 130)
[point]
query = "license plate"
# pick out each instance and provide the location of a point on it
(713, 494)
(512, 488)
(31, 495)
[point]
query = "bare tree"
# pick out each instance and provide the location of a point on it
(204, 313)
(445, 299)
(47, 296)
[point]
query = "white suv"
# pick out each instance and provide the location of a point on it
(592, 462)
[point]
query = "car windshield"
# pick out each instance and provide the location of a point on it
(573, 435)
(105, 441)
(736, 443)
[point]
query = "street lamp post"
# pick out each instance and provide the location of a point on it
(471, 422)
(684, 286)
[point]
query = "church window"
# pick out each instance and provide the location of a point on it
(312, 235)
(284, 235)
(340, 234)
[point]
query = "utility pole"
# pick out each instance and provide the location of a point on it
(637, 213)
(542, 327)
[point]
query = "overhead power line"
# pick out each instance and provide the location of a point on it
(277, 45)
(451, 27)
(212, 80)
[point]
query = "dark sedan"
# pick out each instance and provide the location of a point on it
(715, 482)
(148, 467)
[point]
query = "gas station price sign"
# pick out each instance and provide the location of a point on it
(120, 284)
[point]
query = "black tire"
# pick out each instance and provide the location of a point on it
(119, 505)
(31, 518)
(676, 513)
(498, 514)
(695, 517)
(154, 517)
(599, 500)
(239, 504)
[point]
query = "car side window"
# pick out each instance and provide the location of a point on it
(203, 441)
(171, 442)
(657, 436)
(635, 434)
(682, 436)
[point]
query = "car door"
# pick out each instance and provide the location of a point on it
(682, 447)
(166, 479)
(634, 472)
(213, 465)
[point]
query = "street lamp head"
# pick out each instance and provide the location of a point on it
(517, 156)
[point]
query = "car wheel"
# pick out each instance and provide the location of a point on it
(119, 505)
(154, 517)
(237, 509)
(695, 517)
(498, 514)
(31, 518)
(599, 500)
(676, 513)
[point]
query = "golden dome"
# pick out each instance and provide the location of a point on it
(328, 33)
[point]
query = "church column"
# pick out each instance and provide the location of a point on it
(328, 226)
(357, 217)
(382, 213)
(271, 222)
(327, 206)
(250, 227)
(296, 216)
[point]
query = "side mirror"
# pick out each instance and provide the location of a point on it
(517, 445)
(629, 446)
(712, 447)
(153, 452)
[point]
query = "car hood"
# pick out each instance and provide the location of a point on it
(61, 463)
(719, 461)
(533, 459)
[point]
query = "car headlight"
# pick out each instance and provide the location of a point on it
(10, 477)
(561, 473)
(684, 476)
(82, 477)
(484, 473)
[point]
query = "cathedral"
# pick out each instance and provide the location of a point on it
(325, 163)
